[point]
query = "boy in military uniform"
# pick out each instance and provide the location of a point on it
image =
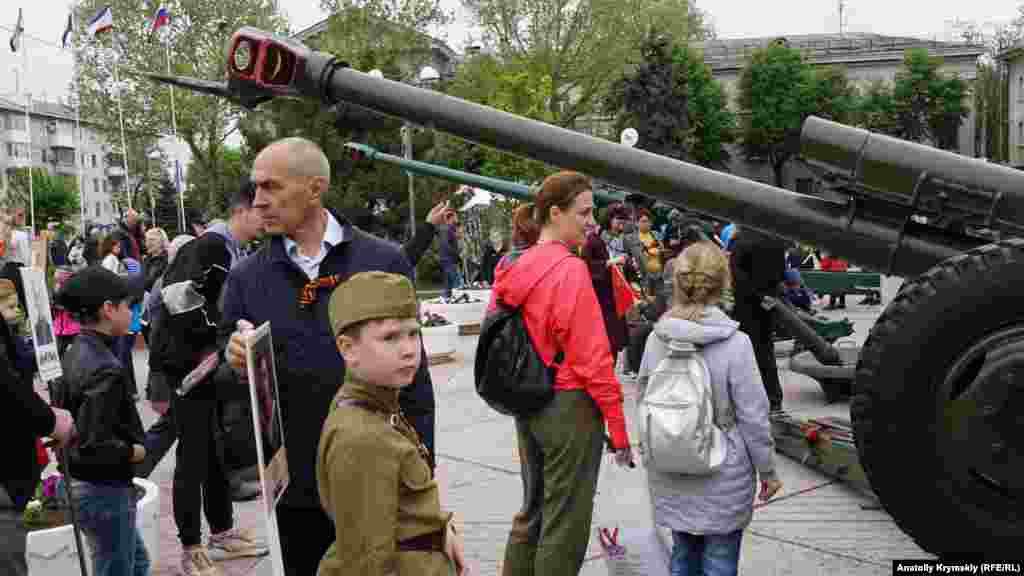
(373, 474)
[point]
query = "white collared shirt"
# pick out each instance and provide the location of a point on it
(333, 235)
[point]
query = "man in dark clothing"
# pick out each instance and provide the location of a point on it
(425, 232)
(288, 283)
(182, 336)
(758, 264)
(24, 417)
(129, 234)
(450, 254)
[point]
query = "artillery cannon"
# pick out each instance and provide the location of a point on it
(938, 410)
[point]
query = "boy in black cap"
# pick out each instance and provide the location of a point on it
(96, 391)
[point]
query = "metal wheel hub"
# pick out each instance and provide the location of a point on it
(980, 403)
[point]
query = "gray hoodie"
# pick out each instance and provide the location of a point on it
(722, 502)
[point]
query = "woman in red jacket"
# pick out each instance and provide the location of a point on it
(560, 446)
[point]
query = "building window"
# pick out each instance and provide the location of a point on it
(93, 160)
(65, 156)
(17, 150)
(15, 122)
(1020, 132)
(98, 204)
(96, 185)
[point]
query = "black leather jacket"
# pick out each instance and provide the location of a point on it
(94, 390)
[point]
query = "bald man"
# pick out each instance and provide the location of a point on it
(289, 282)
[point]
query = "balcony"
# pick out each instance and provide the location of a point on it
(115, 172)
(62, 140)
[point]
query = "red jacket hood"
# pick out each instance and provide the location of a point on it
(515, 278)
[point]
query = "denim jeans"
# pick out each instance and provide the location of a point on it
(107, 515)
(706, 555)
(452, 279)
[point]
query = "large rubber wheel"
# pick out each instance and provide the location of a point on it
(938, 405)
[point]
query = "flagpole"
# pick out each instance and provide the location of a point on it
(124, 145)
(78, 126)
(28, 129)
(174, 128)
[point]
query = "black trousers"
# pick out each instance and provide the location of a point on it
(306, 534)
(637, 342)
(159, 439)
(199, 478)
(758, 324)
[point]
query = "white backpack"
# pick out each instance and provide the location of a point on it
(679, 428)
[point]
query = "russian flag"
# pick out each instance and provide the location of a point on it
(101, 22)
(162, 18)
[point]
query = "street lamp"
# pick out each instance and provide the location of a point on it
(154, 155)
(428, 77)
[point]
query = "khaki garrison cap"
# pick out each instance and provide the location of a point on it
(371, 296)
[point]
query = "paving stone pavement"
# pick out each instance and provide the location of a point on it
(814, 526)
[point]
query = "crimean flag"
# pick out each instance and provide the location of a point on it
(162, 18)
(64, 40)
(19, 29)
(103, 21)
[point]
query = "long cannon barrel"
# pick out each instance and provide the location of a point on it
(497, 185)
(262, 66)
(504, 187)
(773, 210)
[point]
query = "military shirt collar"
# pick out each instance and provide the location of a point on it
(380, 397)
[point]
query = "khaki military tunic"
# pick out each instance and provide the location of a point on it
(377, 486)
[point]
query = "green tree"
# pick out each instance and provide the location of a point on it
(833, 96)
(876, 109)
(712, 124)
(581, 45)
(512, 86)
(929, 105)
(197, 34)
(776, 94)
(56, 196)
(652, 97)
(212, 189)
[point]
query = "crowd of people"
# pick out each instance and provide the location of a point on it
(356, 397)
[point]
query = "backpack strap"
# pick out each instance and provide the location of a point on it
(725, 410)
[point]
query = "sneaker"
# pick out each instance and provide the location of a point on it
(236, 543)
(196, 562)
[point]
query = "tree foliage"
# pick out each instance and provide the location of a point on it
(652, 97)
(775, 96)
(581, 45)
(778, 90)
(712, 124)
(212, 189)
(55, 196)
(929, 105)
(512, 86)
(197, 34)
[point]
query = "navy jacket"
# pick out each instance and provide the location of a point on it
(310, 370)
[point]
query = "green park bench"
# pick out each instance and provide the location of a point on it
(839, 283)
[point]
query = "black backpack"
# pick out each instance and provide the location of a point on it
(510, 375)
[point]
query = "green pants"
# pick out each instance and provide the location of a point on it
(560, 454)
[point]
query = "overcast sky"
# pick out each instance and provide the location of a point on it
(50, 67)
